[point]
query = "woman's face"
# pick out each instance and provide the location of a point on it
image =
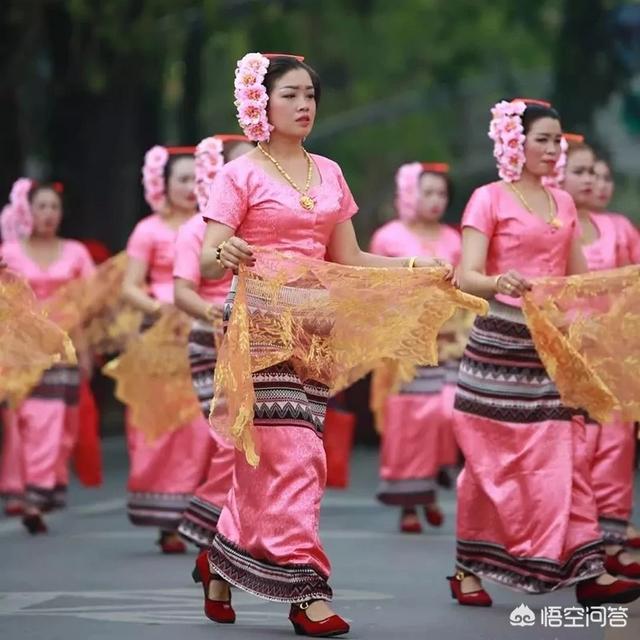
(603, 186)
(542, 146)
(579, 178)
(433, 197)
(46, 209)
(181, 184)
(292, 104)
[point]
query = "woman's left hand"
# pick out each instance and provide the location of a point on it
(436, 262)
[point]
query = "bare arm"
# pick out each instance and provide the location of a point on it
(577, 261)
(472, 272)
(344, 249)
(187, 299)
(133, 287)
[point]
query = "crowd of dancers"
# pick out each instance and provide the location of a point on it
(544, 498)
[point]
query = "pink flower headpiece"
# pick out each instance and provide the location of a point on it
(209, 160)
(16, 221)
(251, 95)
(155, 160)
(407, 186)
(507, 132)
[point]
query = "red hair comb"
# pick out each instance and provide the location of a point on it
(540, 103)
(573, 138)
(178, 151)
(435, 167)
(271, 56)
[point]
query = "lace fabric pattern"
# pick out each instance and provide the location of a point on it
(586, 329)
(332, 323)
(153, 376)
(31, 342)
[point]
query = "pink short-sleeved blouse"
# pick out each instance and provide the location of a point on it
(518, 239)
(266, 212)
(396, 239)
(153, 242)
(629, 234)
(609, 250)
(74, 261)
(187, 261)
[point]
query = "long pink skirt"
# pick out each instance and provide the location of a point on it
(200, 519)
(12, 480)
(41, 434)
(164, 473)
(526, 510)
(267, 541)
(410, 456)
(612, 476)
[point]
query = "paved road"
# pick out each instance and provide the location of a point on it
(95, 577)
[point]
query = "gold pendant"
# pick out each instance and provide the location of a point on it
(307, 202)
(556, 223)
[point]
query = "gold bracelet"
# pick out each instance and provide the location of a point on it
(219, 252)
(496, 282)
(412, 262)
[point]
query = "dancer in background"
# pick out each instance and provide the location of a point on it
(163, 473)
(203, 300)
(417, 419)
(39, 435)
(602, 195)
(526, 509)
(611, 446)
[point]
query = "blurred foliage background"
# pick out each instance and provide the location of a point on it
(86, 86)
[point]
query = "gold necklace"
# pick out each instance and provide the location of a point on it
(552, 219)
(306, 201)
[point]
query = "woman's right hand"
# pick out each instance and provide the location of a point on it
(512, 284)
(235, 251)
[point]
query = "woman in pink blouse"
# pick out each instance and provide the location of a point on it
(282, 198)
(418, 418)
(163, 473)
(526, 509)
(41, 432)
(203, 300)
(602, 195)
(612, 445)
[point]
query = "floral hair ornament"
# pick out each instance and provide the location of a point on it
(251, 95)
(507, 132)
(209, 156)
(16, 221)
(155, 161)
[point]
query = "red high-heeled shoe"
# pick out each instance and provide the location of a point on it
(479, 598)
(409, 522)
(13, 508)
(303, 625)
(591, 594)
(34, 523)
(219, 611)
(633, 543)
(169, 543)
(434, 516)
(614, 566)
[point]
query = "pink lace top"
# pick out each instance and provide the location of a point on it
(265, 211)
(396, 239)
(187, 262)
(518, 239)
(153, 242)
(73, 262)
(610, 249)
(629, 234)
